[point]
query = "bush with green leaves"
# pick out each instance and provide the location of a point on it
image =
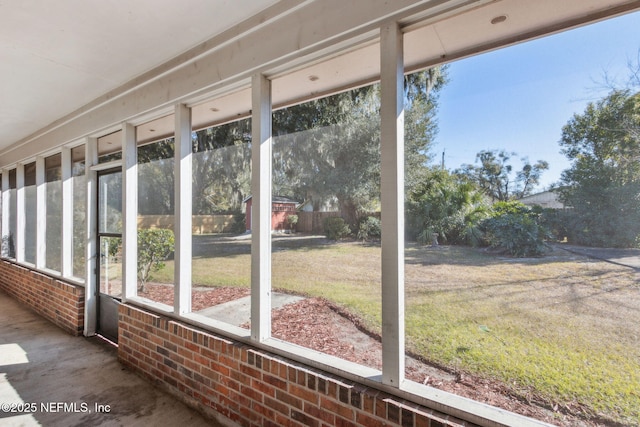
(369, 228)
(154, 247)
(559, 224)
(516, 229)
(446, 205)
(292, 221)
(335, 228)
(239, 223)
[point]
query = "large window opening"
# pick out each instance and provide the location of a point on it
(30, 213)
(156, 241)
(325, 220)
(221, 214)
(533, 171)
(79, 210)
(9, 234)
(53, 201)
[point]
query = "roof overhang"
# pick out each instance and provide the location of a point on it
(71, 69)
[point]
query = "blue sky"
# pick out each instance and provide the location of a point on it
(518, 98)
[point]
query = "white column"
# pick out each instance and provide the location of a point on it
(91, 243)
(20, 213)
(129, 212)
(41, 214)
(392, 200)
(183, 200)
(4, 226)
(67, 214)
(261, 209)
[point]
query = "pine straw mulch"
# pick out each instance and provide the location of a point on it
(321, 325)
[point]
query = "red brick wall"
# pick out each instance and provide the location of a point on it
(60, 302)
(252, 387)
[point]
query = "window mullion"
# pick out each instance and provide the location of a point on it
(20, 213)
(66, 266)
(129, 212)
(183, 210)
(91, 244)
(4, 227)
(41, 214)
(261, 209)
(392, 201)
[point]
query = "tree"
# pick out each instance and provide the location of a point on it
(445, 205)
(327, 151)
(603, 183)
(422, 91)
(154, 246)
(155, 178)
(221, 168)
(495, 177)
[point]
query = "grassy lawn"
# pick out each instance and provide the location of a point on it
(562, 329)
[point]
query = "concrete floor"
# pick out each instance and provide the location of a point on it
(50, 378)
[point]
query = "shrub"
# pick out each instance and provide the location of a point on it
(239, 223)
(515, 228)
(335, 228)
(154, 246)
(559, 224)
(292, 220)
(368, 228)
(427, 236)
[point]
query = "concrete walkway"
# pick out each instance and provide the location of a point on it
(624, 257)
(49, 378)
(238, 312)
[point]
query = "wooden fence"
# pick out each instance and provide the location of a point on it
(200, 224)
(313, 222)
(308, 222)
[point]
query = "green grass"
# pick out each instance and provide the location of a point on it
(562, 329)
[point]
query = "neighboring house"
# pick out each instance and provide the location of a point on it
(281, 208)
(546, 199)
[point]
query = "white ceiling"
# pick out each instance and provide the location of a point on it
(56, 56)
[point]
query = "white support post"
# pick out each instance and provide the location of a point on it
(67, 214)
(261, 209)
(41, 214)
(4, 226)
(20, 213)
(129, 212)
(183, 211)
(392, 200)
(91, 243)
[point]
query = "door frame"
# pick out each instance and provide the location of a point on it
(106, 306)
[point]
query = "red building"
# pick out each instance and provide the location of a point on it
(281, 208)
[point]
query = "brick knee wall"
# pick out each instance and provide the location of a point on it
(60, 302)
(252, 387)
